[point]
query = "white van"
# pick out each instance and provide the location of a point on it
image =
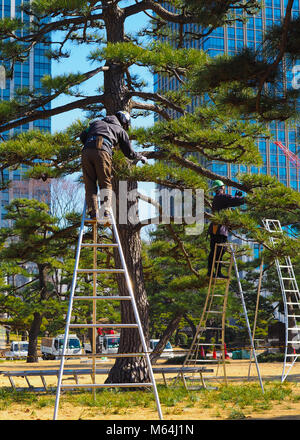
(51, 348)
(105, 344)
(18, 350)
(168, 350)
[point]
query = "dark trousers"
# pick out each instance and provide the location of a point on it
(96, 168)
(214, 239)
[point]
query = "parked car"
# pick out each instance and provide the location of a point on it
(105, 344)
(52, 348)
(167, 351)
(18, 350)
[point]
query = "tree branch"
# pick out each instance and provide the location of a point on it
(159, 98)
(44, 114)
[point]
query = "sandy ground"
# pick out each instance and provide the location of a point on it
(236, 372)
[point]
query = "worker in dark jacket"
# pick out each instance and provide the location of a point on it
(219, 233)
(99, 140)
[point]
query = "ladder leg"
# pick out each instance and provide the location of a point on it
(58, 390)
(94, 329)
(211, 303)
(290, 294)
(94, 324)
(246, 316)
(136, 315)
(256, 310)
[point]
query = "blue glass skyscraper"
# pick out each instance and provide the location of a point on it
(229, 40)
(27, 74)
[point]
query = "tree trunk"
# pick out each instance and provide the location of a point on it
(172, 326)
(192, 325)
(37, 316)
(33, 338)
(127, 369)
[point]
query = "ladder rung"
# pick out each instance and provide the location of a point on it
(99, 221)
(285, 267)
(209, 344)
(210, 328)
(107, 385)
(100, 270)
(109, 355)
(291, 290)
(285, 278)
(103, 325)
(103, 297)
(99, 245)
(195, 361)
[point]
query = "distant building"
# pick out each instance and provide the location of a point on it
(26, 74)
(229, 40)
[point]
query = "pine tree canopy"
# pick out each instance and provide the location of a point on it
(217, 111)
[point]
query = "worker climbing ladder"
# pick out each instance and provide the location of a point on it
(291, 299)
(213, 316)
(95, 271)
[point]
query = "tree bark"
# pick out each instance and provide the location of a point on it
(33, 338)
(37, 317)
(127, 369)
(131, 369)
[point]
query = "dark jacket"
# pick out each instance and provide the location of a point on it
(223, 201)
(113, 135)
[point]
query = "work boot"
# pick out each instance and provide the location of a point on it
(107, 205)
(220, 275)
(92, 215)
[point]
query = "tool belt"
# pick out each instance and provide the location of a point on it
(213, 228)
(99, 143)
(95, 142)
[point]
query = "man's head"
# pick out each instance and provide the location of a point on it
(218, 186)
(124, 119)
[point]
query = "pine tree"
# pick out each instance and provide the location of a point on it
(33, 248)
(181, 143)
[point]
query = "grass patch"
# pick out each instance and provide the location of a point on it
(228, 402)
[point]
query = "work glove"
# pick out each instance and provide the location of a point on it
(238, 193)
(142, 158)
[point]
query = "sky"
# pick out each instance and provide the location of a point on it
(78, 62)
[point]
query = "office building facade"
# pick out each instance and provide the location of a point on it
(26, 75)
(229, 40)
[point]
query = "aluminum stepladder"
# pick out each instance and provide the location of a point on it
(291, 300)
(95, 271)
(215, 310)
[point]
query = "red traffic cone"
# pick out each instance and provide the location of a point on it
(202, 352)
(214, 354)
